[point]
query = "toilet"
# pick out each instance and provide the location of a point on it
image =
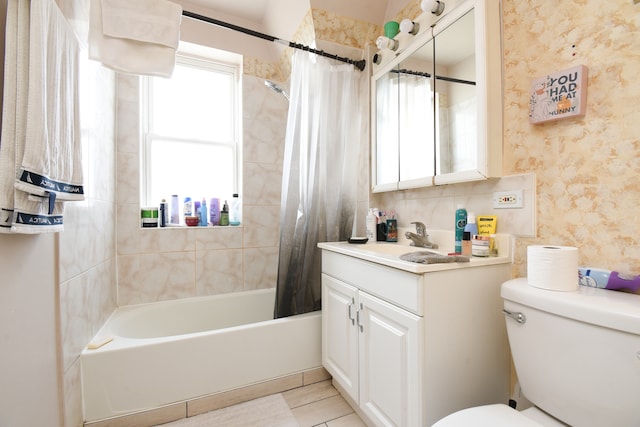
(576, 355)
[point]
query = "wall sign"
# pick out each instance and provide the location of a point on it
(559, 95)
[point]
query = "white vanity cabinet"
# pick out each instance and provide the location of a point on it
(373, 350)
(407, 349)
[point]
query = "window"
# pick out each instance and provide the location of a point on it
(191, 138)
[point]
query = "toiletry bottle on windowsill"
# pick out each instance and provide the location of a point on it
(188, 207)
(234, 210)
(204, 221)
(224, 214)
(214, 211)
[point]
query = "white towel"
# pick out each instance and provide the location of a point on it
(52, 160)
(39, 126)
(135, 36)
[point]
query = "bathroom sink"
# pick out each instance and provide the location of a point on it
(389, 254)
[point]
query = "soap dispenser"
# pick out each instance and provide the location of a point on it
(371, 225)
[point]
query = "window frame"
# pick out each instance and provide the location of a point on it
(206, 59)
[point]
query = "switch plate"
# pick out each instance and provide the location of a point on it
(508, 199)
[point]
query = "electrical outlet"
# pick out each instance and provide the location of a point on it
(507, 199)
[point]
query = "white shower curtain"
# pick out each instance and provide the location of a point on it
(319, 187)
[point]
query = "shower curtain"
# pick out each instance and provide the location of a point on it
(319, 186)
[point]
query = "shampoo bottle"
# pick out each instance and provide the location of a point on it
(461, 222)
(188, 207)
(203, 213)
(371, 225)
(214, 211)
(175, 210)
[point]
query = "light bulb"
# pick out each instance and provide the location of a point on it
(409, 27)
(386, 43)
(434, 6)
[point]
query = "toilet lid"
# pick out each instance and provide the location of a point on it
(498, 415)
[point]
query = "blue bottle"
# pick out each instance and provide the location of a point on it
(203, 213)
(471, 226)
(461, 222)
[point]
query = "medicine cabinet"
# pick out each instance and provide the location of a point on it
(437, 100)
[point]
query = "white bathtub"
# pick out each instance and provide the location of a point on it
(173, 351)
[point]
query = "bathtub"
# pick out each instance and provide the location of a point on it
(173, 351)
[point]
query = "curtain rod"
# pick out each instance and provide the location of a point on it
(423, 74)
(358, 64)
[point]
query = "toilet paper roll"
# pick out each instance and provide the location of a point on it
(552, 267)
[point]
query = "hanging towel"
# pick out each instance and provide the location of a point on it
(52, 160)
(135, 36)
(40, 143)
(14, 107)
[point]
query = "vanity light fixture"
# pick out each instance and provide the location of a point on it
(386, 43)
(434, 6)
(409, 27)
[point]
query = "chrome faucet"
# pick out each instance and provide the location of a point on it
(420, 237)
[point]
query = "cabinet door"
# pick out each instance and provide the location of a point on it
(340, 333)
(390, 363)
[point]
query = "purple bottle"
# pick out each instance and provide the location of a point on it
(214, 211)
(605, 279)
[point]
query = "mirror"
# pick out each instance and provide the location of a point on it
(456, 106)
(431, 109)
(404, 103)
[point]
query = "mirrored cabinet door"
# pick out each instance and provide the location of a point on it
(438, 102)
(456, 98)
(416, 115)
(386, 152)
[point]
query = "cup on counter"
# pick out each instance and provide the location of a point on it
(381, 232)
(392, 230)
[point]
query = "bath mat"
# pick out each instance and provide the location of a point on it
(270, 411)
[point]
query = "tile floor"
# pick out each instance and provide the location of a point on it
(320, 405)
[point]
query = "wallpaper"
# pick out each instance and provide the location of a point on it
(587, 168)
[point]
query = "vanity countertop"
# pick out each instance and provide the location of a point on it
(386, 253)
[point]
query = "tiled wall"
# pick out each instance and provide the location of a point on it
(172, 263)
(436, 206)
(87, 262)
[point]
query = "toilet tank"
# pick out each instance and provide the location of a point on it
(577, 354)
